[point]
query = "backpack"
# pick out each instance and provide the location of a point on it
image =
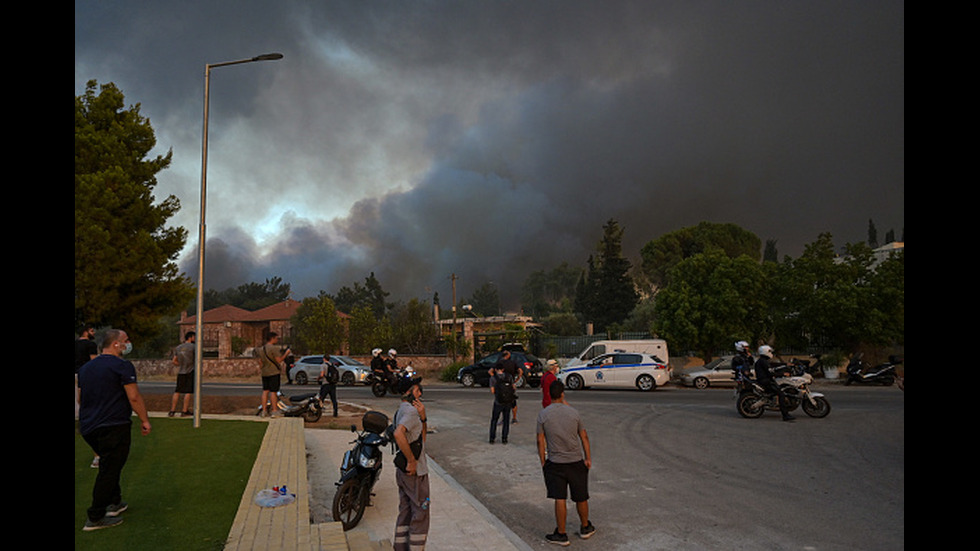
(333, 375)
(504, 389)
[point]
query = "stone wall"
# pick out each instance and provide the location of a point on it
(428, 366)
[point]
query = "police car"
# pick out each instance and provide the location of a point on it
(617, 370)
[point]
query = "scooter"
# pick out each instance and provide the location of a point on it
(360, 469)
(752, 400)
(309, 406)
(402, 381)
(883, 374)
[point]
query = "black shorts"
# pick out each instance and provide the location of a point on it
(560, 477)
(185, 383)
(272, 382)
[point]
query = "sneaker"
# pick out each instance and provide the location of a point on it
(114, 510)
(95, 462)
(104, 522)
(558, 538)
(587, 531)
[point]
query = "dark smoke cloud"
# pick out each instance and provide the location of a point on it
(489, 139)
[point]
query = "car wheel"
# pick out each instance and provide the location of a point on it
(467, 379)
(301, 378)
(701, 382)
(347, 378)
(645, 383)
(574, 382)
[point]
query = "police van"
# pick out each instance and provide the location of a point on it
(617, 370)
(653, 347)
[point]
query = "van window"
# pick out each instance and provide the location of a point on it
(622, 359)
(594, 351)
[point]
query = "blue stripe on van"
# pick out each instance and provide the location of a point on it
(609, 366)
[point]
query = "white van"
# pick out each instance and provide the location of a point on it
(651, 347)
(617, 370)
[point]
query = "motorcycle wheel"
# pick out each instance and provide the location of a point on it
(750, 406)
(819, 408)
(312, 414)
(379, 389)
(348, 507)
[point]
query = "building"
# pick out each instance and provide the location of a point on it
(229, 328)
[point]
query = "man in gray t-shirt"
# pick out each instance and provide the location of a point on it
(566, 457)
(412, 524)
(184, 359)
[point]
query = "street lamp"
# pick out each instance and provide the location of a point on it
(199, 327)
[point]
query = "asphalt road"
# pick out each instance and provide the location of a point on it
(679, 469)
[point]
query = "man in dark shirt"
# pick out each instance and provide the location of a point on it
(509, 366)
(764, 376)
(85, 350)
(109, 396)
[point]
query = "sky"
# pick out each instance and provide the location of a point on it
(490, 139)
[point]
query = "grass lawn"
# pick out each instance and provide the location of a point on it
(183, 485)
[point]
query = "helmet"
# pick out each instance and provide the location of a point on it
(765, 350)
(741, 346)
(392, 352)
(376, 351)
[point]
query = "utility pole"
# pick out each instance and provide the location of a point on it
(455, 341)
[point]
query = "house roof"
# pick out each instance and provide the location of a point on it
(282, 310)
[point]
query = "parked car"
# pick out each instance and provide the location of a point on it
(717, 372)
(617, 370)
(307, 369)
(479, 372)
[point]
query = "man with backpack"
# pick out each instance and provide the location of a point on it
(329, 377)
(504, 398)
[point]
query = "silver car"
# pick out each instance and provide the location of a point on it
(308, 368)
(717, 372)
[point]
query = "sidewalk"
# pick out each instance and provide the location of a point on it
(459, 521)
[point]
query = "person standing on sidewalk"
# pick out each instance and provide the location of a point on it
(271, 355)
(109, 396)
(550, 376)
(184, 360)
(329, 377)
(566, 457)
(504, 396)
(412, 524)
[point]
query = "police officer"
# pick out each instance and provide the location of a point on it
(764, 376)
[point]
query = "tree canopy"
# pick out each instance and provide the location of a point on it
(126, 274)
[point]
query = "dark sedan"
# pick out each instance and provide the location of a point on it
(479, 373)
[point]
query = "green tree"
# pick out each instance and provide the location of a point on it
(662, 254)
(414, 330)
(607, 295)
(249, 296)
(371, 295)
(840, 302)
(362, 329)
(318, 327)
(485, 300)
(126, 274)
(712, 301)
(548, 291)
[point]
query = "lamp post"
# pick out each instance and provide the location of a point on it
(199, 326)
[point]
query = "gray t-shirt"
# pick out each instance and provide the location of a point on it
(560, 424)
(408, 417)
(185, 358)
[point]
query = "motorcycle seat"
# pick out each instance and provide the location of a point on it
(301, 397)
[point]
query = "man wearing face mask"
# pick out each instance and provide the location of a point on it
(108, 397)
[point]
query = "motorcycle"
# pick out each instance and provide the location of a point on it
(752, 400)
(308, 406)
(402, 380)
(883, 374)
(360, 469)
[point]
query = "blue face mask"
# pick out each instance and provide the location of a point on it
(127, 348)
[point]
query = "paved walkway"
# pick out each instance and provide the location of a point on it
(459, 521)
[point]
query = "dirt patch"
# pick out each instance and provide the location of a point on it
(347, 414)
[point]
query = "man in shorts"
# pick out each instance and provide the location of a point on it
(184, 360)
(563, 447)
(271, 355)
